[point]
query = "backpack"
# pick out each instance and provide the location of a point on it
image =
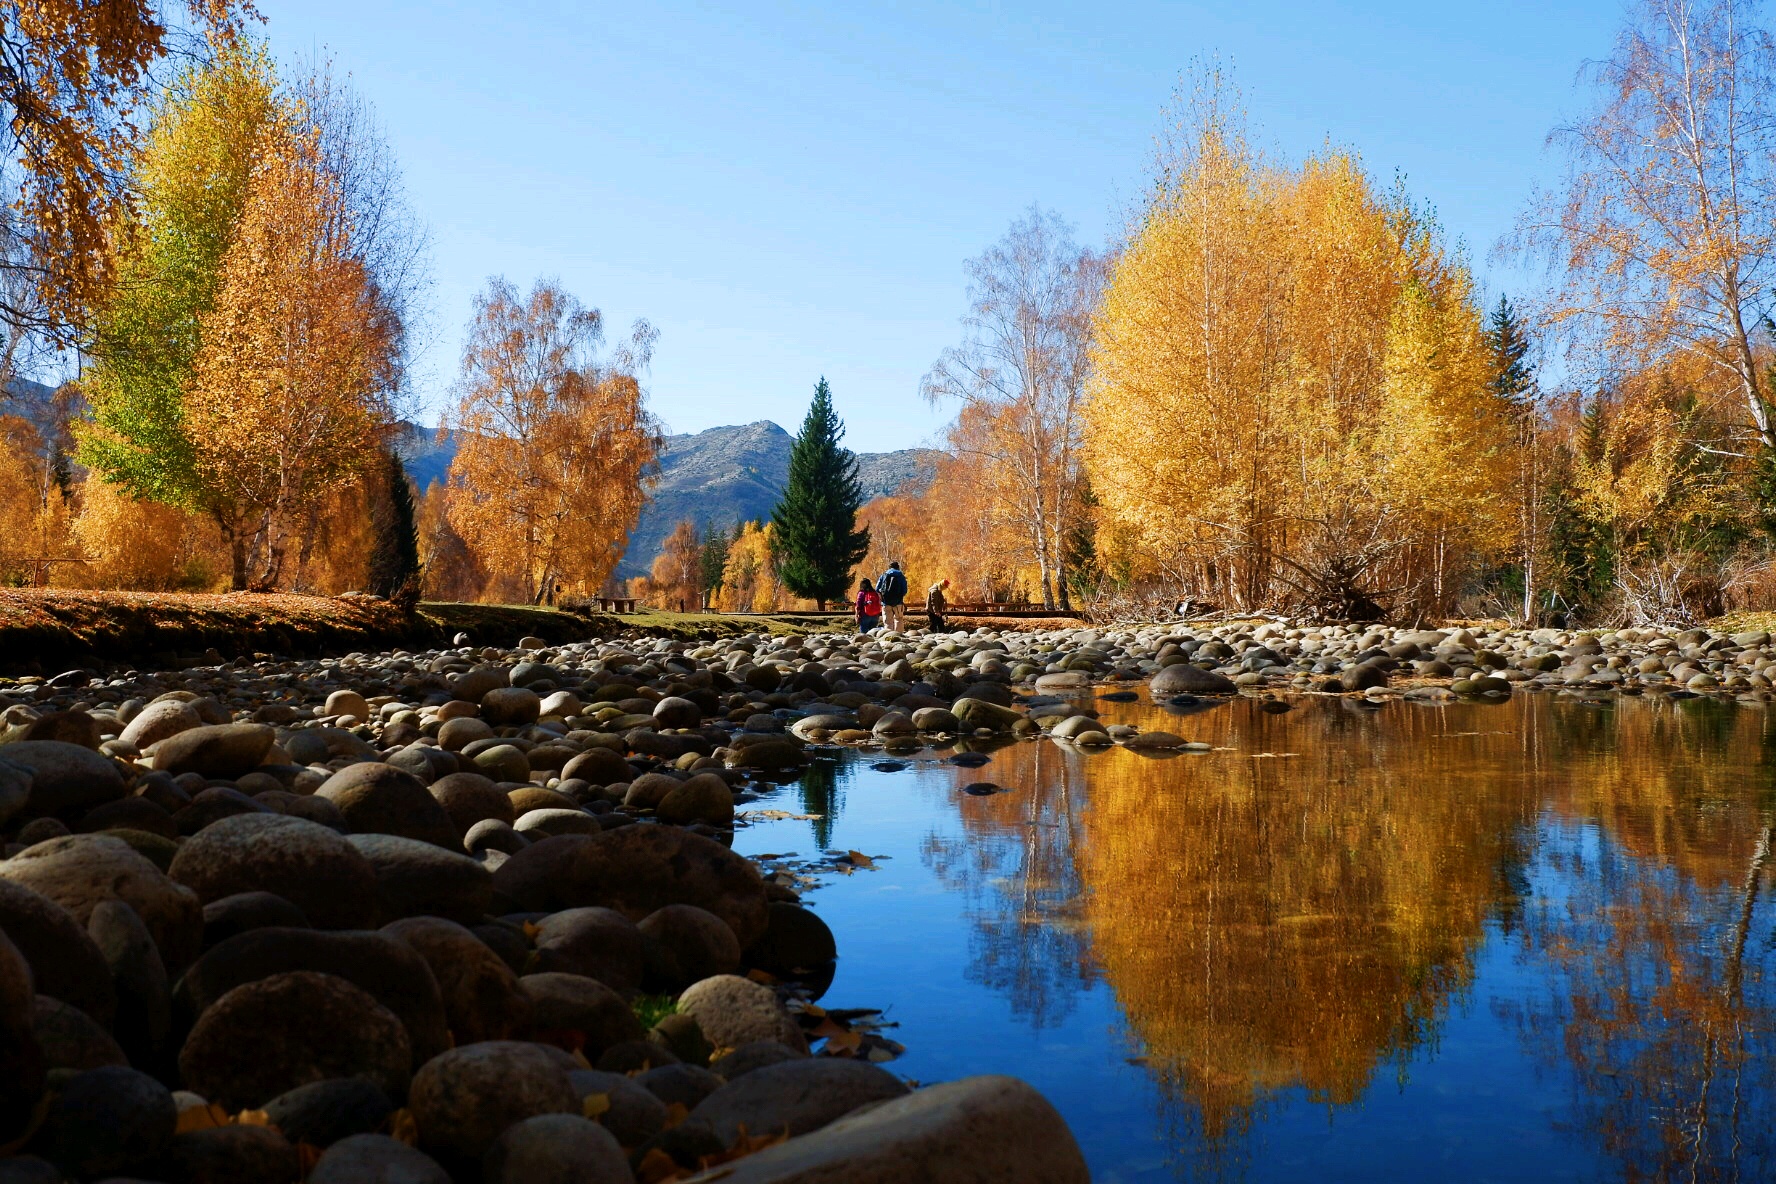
(894, 586)
(869, 603)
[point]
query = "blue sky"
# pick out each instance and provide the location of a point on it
(788, 190)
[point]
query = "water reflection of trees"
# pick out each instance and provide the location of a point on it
(1300, 921)
(1660, 998)
(1013, 864)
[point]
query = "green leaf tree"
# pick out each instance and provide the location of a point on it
(191, 177)
(816, 519)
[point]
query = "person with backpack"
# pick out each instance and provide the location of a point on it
(869, 606)
(893, 587)
(935, 603)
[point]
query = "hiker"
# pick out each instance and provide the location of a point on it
(869, 606)
(935, 603)
(893, 587)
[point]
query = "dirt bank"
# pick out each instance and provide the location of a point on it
(44, 631)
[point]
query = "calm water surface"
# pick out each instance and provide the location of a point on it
(1523, 941)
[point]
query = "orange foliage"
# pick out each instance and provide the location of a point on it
(285, 403)
(676, 580)
(555, 444)
(143, 546)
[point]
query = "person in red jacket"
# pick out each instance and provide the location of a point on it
(869, 606)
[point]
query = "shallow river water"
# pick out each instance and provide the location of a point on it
(1529, 940)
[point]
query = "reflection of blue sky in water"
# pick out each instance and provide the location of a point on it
(1601, 1009)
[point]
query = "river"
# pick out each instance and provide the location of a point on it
(1476, 941)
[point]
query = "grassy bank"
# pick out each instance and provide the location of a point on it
(45, 631)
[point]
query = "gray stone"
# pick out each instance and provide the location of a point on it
(629, 1112)
(64, 777)
(79, 871)
(1185, 679)
(470, 798)
(464, 1099)
(380, 799)
(323, 1112)
(232, 1154)
(222, 750)
(107, 1121)
(314, 868)
(687, 944)
(506, 707)
(246, 911)
(733, 1011)
(376, 1159)
(796, 1096)
(703, 798)
(65, 962)
(419, 879)
(144, 993)
(71, 1039)
(556, 1149)
(267, 1037)
(795, 941)
(575, 1011)
(482, 997)
(961, 1132)
(594, 942)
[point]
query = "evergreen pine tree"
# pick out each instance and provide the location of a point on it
(394, 554)
(816, 518)
(714, 560)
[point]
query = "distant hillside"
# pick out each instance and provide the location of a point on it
(718, 477)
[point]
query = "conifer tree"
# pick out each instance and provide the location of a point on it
(394, 556)
(816, 518)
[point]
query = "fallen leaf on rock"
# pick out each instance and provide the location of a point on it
(200, 1118)
(592, 1105)
(656, 1167)
(859, 859)
(403, 1128)
(676, 1112)
(761, 976)
(252, 1118)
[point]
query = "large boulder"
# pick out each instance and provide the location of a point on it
(79, 871)
(305, 863)
(1185, 679)
(686, 944)
(421, 879)
(65, 778)
(388, 969)
(704, 798)
(733, 1011)
(960, 1132)
(598, 943)
(795, 1097)
(470, 798)
(376, 1159)
(65, 963)
(556, 1149)
(144, 993)
(15, 790)
(464, 1099)
(158, 720)
(635, 870)
(107, 1121)
(482, 997)
(219, 750)
(267, 1037)
(381, 799)
(323, 1112)
(575, 1012)
(23, 1071)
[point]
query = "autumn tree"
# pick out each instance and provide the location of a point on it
(713, 560)
(749, 581)
(1023, 364)
(677, 574)
(191, 175)
(816, 518)
(1662, 237)
(289, 394)
(74, 76)
(1290, 400)
(555, 442)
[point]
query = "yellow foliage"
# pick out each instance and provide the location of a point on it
(555, 445)
(749, 578)
(675, 583)
(1290, 397)
(144, 546)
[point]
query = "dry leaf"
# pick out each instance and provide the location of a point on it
(403, 1128)
(592, 1105)
(252, 1118)
(761, 976)
(200, 1118)
(676, 1112)
(859, 859)
(745, 1145)
(656, 1167)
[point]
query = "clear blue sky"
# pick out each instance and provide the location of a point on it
(787, 191)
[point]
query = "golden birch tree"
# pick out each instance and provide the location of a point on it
(1662, 237)
(288, 399)
(556, 443)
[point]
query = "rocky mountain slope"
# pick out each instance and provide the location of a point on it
(719, 477)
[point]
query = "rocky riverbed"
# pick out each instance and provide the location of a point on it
(473, 914)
